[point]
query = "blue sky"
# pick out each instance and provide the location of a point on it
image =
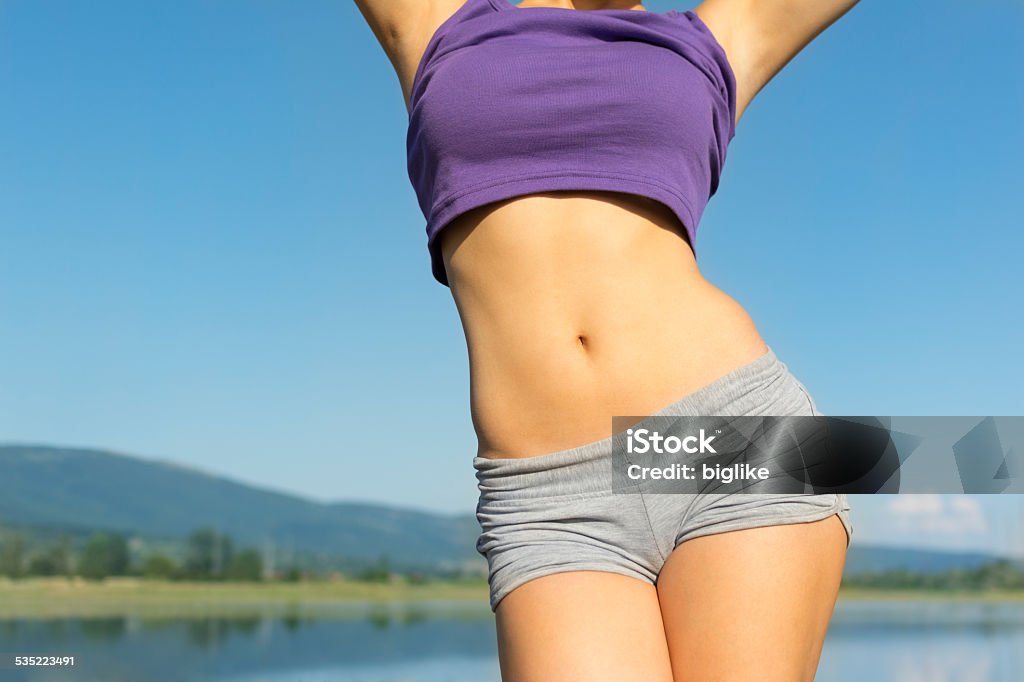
(210, 251)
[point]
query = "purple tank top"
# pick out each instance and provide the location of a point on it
(509, 100)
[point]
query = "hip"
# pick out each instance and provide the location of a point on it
(561, 511)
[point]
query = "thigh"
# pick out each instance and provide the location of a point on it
(752, 605)
(582, 625)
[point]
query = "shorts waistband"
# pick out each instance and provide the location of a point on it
(588, 468)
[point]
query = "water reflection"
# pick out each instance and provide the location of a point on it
(897, 641)
(272, 642)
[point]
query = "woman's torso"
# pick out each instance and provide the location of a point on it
(577, 307)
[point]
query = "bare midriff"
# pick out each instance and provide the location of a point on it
(581, 306)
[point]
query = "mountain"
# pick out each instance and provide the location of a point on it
(81, 488)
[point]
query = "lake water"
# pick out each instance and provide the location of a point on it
(924, 641)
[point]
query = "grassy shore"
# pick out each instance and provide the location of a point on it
(54, 597)
(59, 597)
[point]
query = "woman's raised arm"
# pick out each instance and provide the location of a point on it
(403, 28)
(762, 36)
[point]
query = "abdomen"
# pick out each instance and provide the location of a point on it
(578, 306)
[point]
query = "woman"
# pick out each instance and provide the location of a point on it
(562, 153)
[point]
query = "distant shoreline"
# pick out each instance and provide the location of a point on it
(58, 597)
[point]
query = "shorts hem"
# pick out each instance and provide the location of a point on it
(838, 509)
(498, 594)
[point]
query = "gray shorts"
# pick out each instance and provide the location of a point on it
(556, 512)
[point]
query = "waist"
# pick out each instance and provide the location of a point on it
(578, 307)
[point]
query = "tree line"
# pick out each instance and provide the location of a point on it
(996, 575)
(208, 555)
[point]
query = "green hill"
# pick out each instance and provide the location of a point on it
(53, 487)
